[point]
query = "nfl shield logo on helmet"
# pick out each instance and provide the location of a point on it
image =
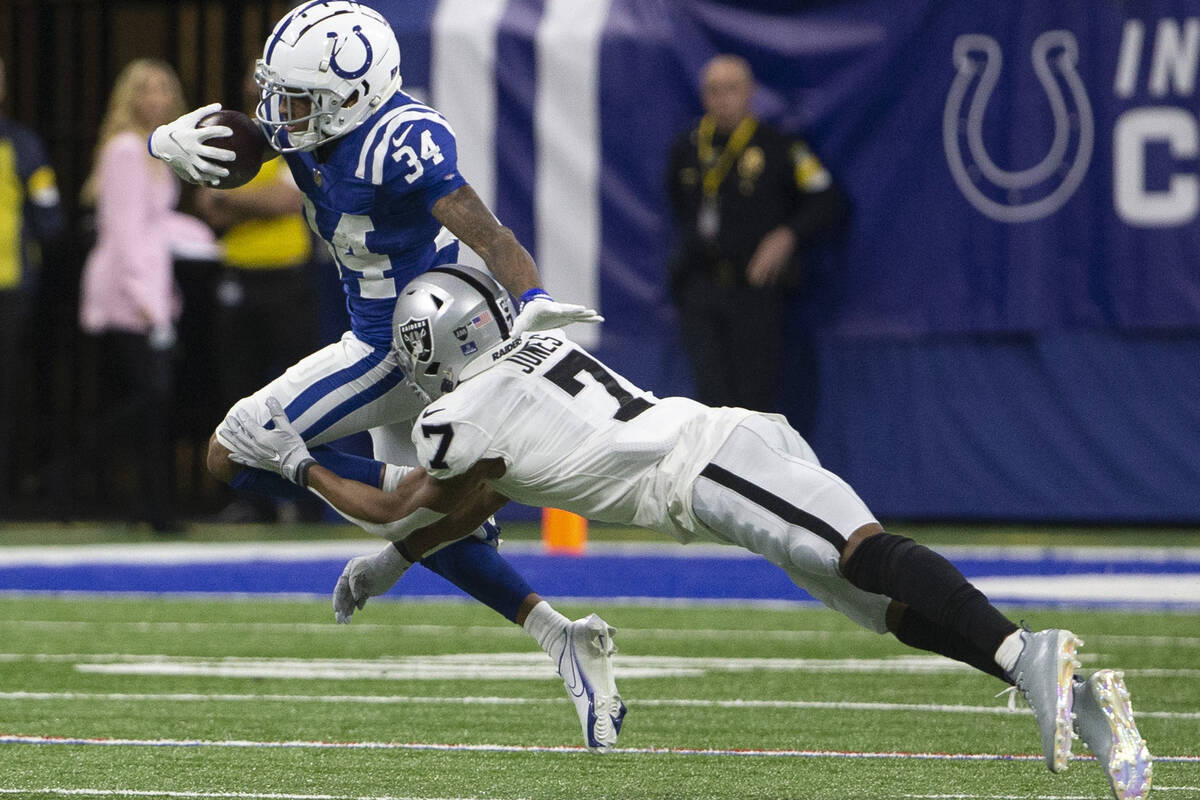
(417, 339)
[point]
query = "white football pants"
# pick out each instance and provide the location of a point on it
(765, 491)
(344, 388)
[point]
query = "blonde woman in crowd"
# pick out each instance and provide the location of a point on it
(129, 300)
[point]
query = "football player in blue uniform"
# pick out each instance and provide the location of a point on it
(379, 172)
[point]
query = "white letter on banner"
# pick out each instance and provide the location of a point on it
(1175, 57)
(1135, 204)
(463, 78)
(1130, 58)
(567, 133)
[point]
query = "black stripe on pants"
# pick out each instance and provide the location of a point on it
(775, 504)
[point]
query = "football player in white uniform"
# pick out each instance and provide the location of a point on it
(537, 419)
(379, 172)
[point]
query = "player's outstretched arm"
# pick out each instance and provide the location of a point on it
(369, 576)
(417, 501)
(369, 505)
(465, 215)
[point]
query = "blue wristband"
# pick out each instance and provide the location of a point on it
(533, 294)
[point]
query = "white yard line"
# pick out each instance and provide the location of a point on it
(1157, 789)
(222, 552)
(64, 792)
(514, 632)
(662, 702)
(512, 748)
(1001, 796)
(501, 666)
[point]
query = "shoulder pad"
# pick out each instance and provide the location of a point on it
(446, 446)
(379, 141)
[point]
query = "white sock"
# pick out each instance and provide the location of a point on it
(1009, 650)
(545, 624)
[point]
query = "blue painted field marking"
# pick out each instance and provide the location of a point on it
(503, 748)
(1157, 579)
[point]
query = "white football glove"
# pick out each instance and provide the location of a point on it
(280, 450)
(364, 577)
(182, 145)
(541, 313)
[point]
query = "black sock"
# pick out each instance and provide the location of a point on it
(903, 570)
(916, 631)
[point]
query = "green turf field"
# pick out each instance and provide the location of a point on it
(18, 533)
(724, 702)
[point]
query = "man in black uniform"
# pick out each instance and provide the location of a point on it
(747, 199)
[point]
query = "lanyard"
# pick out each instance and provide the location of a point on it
(704, 150)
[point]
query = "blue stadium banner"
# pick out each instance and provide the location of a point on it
(1025, 181)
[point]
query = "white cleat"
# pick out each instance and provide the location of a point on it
(585, 665)
(1043, 674)
(1104, 720)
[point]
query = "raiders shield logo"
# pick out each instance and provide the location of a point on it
(460, 333)
(417, 339)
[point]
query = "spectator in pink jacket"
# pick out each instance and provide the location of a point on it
(129, 300)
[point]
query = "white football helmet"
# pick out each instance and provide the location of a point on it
(447, 318)
(326, 67)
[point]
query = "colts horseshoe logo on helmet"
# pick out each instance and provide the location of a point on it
(335, 48)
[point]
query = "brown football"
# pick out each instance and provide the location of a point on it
(247, 141)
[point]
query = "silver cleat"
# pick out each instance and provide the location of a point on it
(1104, 720)
(1043, 674)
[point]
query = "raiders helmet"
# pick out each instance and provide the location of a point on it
(445, 319)
(326, 67)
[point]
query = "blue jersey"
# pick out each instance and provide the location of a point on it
(372, 200)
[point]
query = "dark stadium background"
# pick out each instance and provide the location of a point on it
(1041, 371)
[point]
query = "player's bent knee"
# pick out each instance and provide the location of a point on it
(218, 462)
(857, 538)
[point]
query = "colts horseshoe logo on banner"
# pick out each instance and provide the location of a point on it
(1038, 191)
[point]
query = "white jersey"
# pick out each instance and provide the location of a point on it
(575, 435)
